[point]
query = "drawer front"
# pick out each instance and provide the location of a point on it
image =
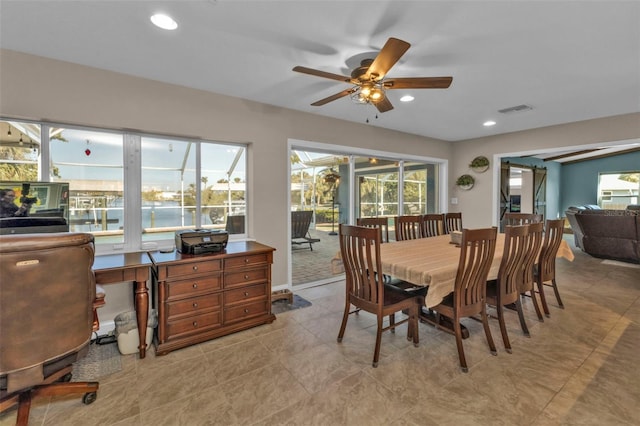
(193, 324)
(194, 306)
(249, 276)
(244, 261)
(193, 268)
(244, 294)
(193, 287)
(242, 312)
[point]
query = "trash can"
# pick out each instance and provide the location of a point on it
(127, 331)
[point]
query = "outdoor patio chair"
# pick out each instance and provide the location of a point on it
(300, 222)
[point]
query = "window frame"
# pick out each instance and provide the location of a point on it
(132, 182)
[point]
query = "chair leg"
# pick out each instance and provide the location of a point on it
(458, 333)
(534, 300)
(414, 325)
(557, 293)
(345, 317)
(543, 299)
(23, 409)
(392, 322)
(376, 352)
(503, 328)
(487, 331)
(523, 323)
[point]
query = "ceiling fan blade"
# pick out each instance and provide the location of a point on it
(334, 97)
(418, 83)
(392, 51)
(384, 105)
(323, 74)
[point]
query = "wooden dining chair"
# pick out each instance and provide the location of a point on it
(408, 227)
(453, 222)
(432, 225)
(505, 290)
(376, 222)
(545, 270)
(515, 219)
(468, 299)
(360, 249)
(527, 282)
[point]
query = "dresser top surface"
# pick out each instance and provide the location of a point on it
(234, 248)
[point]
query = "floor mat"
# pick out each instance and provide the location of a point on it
(280, 306)
(101, 360)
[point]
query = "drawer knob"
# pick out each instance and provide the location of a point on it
(195, 285)
(246, 277)
(246, 311)
(246, 260)
(195, 323)
(195, 305)
(246, 293)
(195, 267)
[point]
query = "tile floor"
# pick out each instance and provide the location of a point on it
(580, 367)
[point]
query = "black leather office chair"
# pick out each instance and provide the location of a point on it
(47, 293)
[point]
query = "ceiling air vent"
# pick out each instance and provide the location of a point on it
(517, 108)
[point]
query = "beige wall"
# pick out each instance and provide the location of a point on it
(42, 89)
(479, 205)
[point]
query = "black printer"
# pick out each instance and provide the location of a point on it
(201, 241)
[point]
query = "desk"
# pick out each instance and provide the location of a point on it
(117, 268)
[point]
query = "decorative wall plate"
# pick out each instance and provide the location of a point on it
(465, 182)
(480, 164)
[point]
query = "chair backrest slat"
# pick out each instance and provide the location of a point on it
(360, 250)
(512, 264)
(476, 255)
(433, 225)
(534, 242)
(552, 238)
(453, 222)
(408, 227)
(515, 219)
(376, 222)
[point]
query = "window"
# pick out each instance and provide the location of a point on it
(92, 163)
(171, 187)
(131, 191)
(618, 190)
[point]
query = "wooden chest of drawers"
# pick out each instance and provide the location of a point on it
(207, 296)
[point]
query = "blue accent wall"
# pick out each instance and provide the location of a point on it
(579, 181)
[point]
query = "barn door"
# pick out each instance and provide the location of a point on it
(540, 191)
(505, 171)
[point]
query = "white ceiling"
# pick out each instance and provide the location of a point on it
(568, 60)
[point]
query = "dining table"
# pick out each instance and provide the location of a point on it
(433, 262)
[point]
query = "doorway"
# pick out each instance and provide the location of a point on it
(523, 189)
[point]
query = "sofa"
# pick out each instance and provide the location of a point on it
(608, 234)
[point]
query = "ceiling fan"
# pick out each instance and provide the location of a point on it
(368, 80)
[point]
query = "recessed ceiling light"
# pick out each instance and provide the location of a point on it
(163, 21)
(406, 98)
(489, 123)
